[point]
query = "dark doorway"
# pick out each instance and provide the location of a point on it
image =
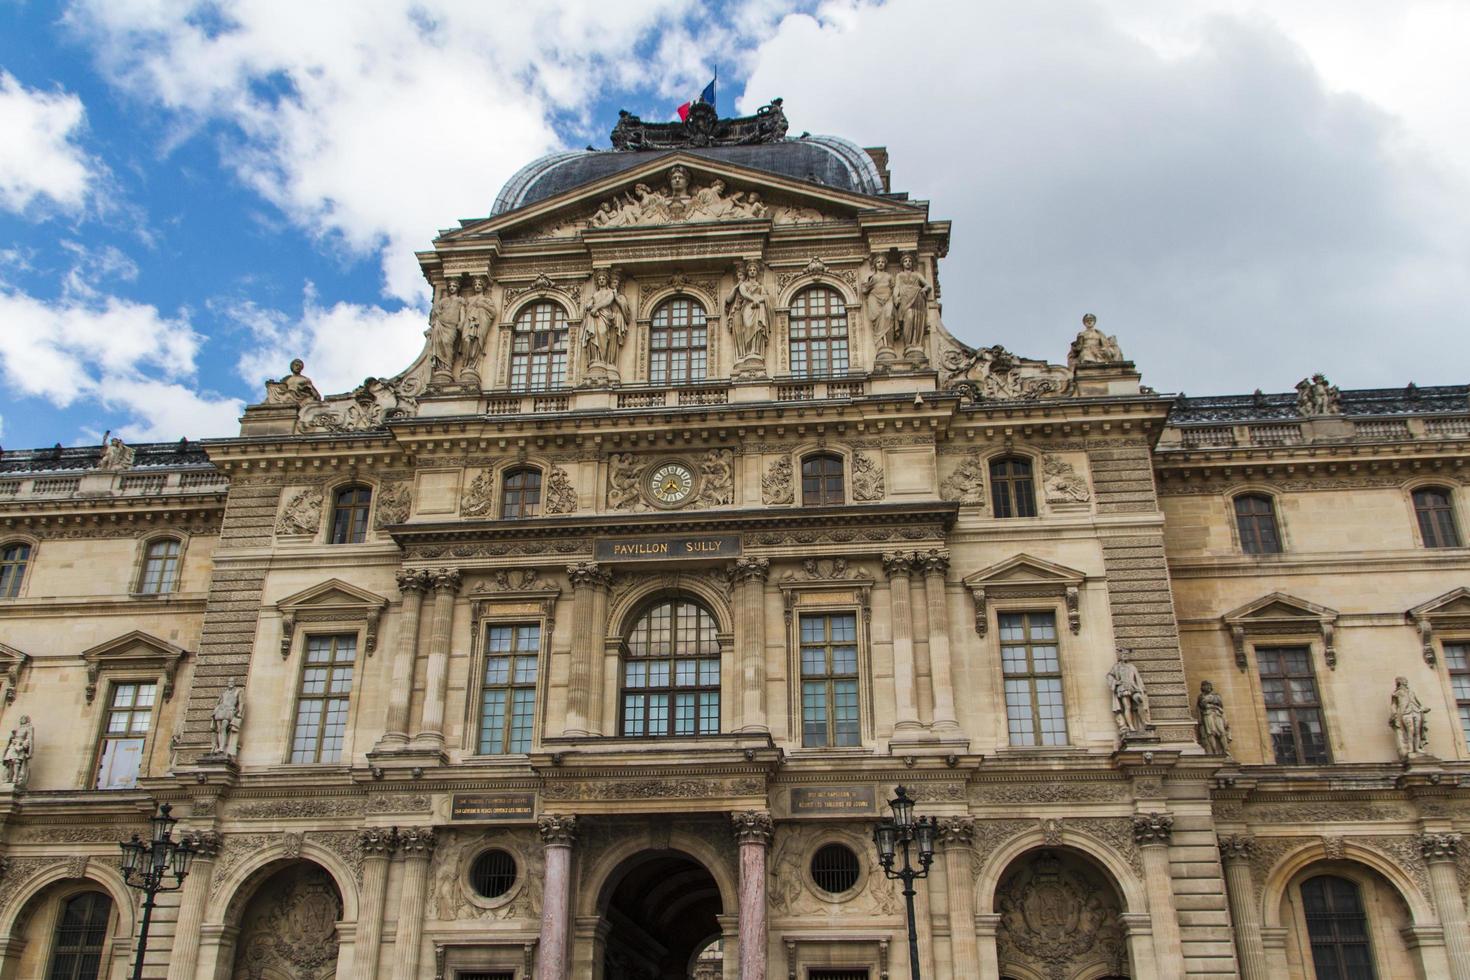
(661, 912)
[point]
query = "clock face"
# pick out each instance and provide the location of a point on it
(671, 483)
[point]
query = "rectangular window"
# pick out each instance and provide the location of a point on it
(829, 680)
(325, 696)
(129, 716)
(1457, 659)
(160, 567)
(859, 974)
(508, 698)
(1293, 709)
(1033, 678)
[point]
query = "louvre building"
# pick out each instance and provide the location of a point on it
(594, 643)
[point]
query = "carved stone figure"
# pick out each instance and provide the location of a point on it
(994, 372)
(225, 721)
(1063, 483)
(703, 127)
(748, 314)
(1059, 918)
(1092, 346)
(18, 752)
(717, 479)
(1130, 700)
(1315, 396)
(776, 483)
(289, 927)
(372, 403)
(477, 497)
(911, 307)
(604, 326)
(394, 500)
(966, 485)
(867, 478)
(623, 472)
(294, 389)
(561, 496)
(877, 292)
(1407, 719)
(1212, 730)
(303, 513)
(115, 455)
(479, 320)
(446, 322)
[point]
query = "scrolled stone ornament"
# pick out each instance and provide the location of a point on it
(1439, 847)
(557, 830)
(1236, 847)
(1153, 828)
(752, 826)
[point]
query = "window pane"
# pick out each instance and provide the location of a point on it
(668, 652)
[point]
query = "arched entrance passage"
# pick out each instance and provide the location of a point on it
(288, 925)
(661, 908)
(1060, 919)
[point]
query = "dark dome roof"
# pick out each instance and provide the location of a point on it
(827, 160)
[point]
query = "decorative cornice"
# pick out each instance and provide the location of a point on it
(752, 827)
(557, 830)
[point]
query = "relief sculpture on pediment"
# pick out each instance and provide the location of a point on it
(994, 373)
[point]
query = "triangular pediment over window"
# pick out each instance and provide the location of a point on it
(1279, 614)
(331, 601)
(12, 661)
(1448, 611)
(1025, 577)
(134, 651)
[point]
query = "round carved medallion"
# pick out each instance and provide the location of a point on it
(670, 484)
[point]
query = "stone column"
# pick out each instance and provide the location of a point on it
(1235, 854)
(987, 925)
(436, 684)
(557, 834)
(750, 640)
(1152, 832)
(1440, 853)
(935, 563)
(183, 962)
(411, 584)
(377, 845)
(753, 833)
(590, 583)
(416, 845)
(898, 566)
(956, 839)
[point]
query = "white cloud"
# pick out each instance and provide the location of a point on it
(39, 157)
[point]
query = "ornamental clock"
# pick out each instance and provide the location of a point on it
(671, 484)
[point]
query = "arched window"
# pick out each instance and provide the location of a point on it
(1255, 517)
(671, 671)
(350, 515)
(677, 345)
(1012, 491)
(521, 494)
(1338, 929)
(1436, 512)
(81, 932)
(821, 480)
(13, 561)
(818, 333)
(160, 567)
(538, 354)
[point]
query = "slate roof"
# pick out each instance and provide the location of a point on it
(1410, 400)
(147, 455)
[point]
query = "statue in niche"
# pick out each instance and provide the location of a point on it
(911, 308)
(1407, 719)
(18, 752)
(294, 389)
(604, 326)
(749, 314)
(877, 291)
(116, 455)
(479, 319)
(1092, 346)
(446, 322)
(225, 721)
(1212, 730)
(1130, 700)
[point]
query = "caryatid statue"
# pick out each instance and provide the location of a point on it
(1130, 700)
(911, 307)
(749, 313)
(604, 326)
(446, 323)
(225, 721)
(1212, 731)
(1406, 717)
(479, 320)
(18, 751)
(877, 292)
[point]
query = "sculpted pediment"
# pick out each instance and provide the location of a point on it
(1021, 569)
(133, 650)
(1026, 577)
(1279, 606)
(1281, 614)
(1451, 610)
(11, 662)
(331, 601)
(333, 593)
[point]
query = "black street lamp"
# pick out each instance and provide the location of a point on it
(145, 865)
(899, 832)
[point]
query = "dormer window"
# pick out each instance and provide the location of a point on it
(678, 342)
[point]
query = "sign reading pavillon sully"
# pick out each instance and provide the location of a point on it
(678, 547)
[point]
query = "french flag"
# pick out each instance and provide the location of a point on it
(707, 97)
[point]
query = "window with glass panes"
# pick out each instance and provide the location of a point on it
(677, 342)
(13, 561)
(671, 672)
(124, 734)
(521, 494)
(1435, 510)
(508, 697)
(350, 515)
(1293, 708)
(1255, 518)
(1033, 678)
(1012, 491)
(538, 353)
(160, 567)
(821, 480)
(77, 944)
(818, 331)
(325, 696)
(829, 680)
(1338, 929)
(1457, 659)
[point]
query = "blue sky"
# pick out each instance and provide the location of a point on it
(192, 193)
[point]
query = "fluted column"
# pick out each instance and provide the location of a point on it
(753, 834)
(377, 845)
(750, 640)
(1153, 832)
(411, 584)
(1440, 853)
(557, 834)
(436, 684)
(1235, 854)
(416, 845)
(935, 563)
(590, 583)
(956, 839)
(183, 962)
(898, 566)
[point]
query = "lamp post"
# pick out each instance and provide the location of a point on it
(897, 834)
(145, 865)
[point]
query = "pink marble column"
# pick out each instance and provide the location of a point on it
(557, 833)
(753, 833)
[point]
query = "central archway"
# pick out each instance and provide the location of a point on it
(661, 910)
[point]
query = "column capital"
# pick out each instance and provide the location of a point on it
(377, 841)
(589, 575)
(750, 570)
(1153, 828)
(934, 562)
(956, 832)
(557, 829)
(898, 564)
(752, 826)
(1439, 847)
(206, 843)
(417, 842)
(412, 580)
(1236, 847)
(445, 580)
